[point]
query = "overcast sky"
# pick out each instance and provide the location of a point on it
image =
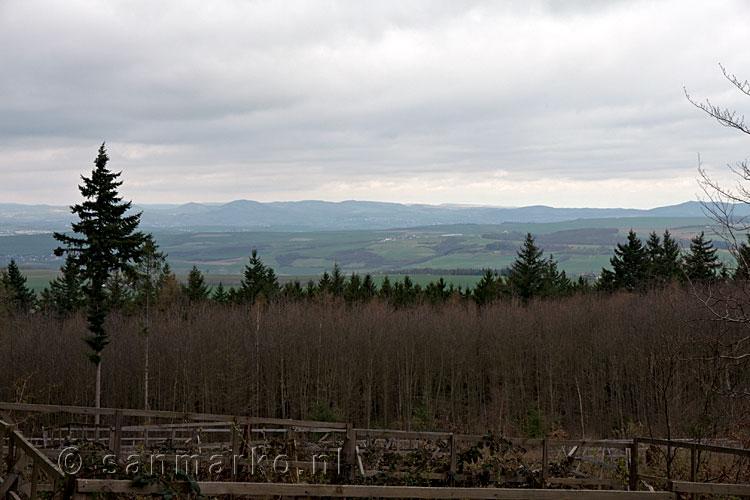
(576, 103)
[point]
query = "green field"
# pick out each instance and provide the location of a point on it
(581, 247)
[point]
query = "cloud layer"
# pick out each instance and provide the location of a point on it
(502, 103)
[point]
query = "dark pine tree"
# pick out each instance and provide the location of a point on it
(555, 282)
(337, 281)
(670, 266)
(293, 290)
(487, 289)
(526, 276)
(701, 261)
(259, 280)
(21, 297)
(369, 289)
(353, 289)
(65, 293)
(105, 240)
(653, 251)
(324, 285)
(196, 289)
(220, 296)
(664, 258)
(437, 292)
(386, 289)
(630, 266)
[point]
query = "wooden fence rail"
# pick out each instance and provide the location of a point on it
(735, 490)
(88, 486)
(85, 410)
(232, 433)
(20, 450)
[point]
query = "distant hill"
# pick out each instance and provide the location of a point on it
(322, 215)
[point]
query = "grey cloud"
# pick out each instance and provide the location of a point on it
(306, 94)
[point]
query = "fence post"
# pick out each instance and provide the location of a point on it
(454, 460)
(693, 462)
(236, 450)
(34, 479)
(350, 443)
(634, 465)
(545, 462)
(69, 487)
(11, 451)
(117, 448)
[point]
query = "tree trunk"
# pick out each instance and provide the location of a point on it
(98, 396)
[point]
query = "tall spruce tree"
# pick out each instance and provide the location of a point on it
(701, 261)
(556, 282)
(259, 280)
(105, 240)
(196, 289)
(669, 266)
(531, 275)
(630, 266)
(664, 258)
(337, 281)
(653, 251)
(526, 275)
(22, 297)
(487, 289)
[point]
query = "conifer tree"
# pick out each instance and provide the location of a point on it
(669, 266)
(337, 281)
(65, 293)
(487, 289)
(405, 292)
(353, 289)
(529, 273)
(653, 251)
(386, 289)
(701, 261)
(22, 297)
(105, 240)
(311, 289)
(220, 296)
(369, 289)
(742, 255)
(555, 282)
(630, 266)
(324, 285)
(437, 291)
(196, 289)
(293, 290)
(259, 280)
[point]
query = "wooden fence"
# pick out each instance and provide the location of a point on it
(233, 434)
(19, 452)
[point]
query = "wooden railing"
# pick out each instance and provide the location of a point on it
(695, 450)
(19, 452)
(90, 486)
(237, 431)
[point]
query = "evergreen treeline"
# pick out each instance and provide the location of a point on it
(635, 266)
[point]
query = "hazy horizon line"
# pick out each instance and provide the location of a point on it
(403, 203)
